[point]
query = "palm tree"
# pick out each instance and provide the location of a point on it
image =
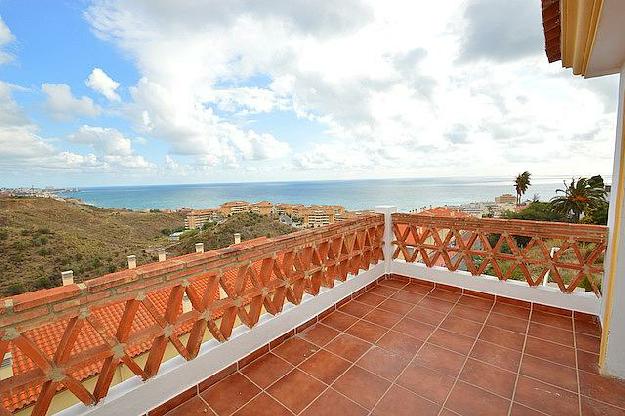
(578, 197)
(521, 183)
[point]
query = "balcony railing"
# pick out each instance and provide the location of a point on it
(569, 255)
(62, 338)
(64, 335)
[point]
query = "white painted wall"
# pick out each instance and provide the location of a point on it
(612, 357)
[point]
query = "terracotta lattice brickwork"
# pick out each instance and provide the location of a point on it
(569, 255)
(102, 324)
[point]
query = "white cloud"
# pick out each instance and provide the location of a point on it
(6, 38)
(397, 87)
(62, 104)
(111, 146)
(99, 81)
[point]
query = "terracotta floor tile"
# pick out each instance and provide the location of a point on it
(296, 390)
(605, 389)
(559, 375)
(325, 366)
(409, 297)
(230, 394)
(421, 288)
(414, 328)
(476, 302)
(507, 322)
(439, 359)
(445, 295)
(400, 343)
(370, 299)
(588, 362)
(427, 383)
(520, 410)
(396, 306)
(319, 334)
(550, 351)
(192, 407)
(401, 402)
(383, 291)
(263, 405)
(461, 326)
(467, 312)
(503, 337)
(511, 310)
(496, 355)
(367, 331)
(550, 333)
(361, 386)
(435, 304)
(455, 342)
(447, 412)
(348, 347)
(557, 321)
(393, 283)
(382, 317)
(469, 400)
(266, 370)
(427, 316)
(588, 343)
(488, 377)
(592, 407)
(588, 328)
(357, 309)
(295, 350)
(383, 363)
(339, 320)
(331, 403)
(546, 398)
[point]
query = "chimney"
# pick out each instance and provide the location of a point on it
(237, 238)
(132, 261)
(162, 255)
(6, 366)
(199, 247)
(67, 277)
(187, 306)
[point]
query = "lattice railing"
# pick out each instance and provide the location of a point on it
(64, 335)
(569, 255)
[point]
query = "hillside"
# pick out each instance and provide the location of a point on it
(249, 225)
(41, 237)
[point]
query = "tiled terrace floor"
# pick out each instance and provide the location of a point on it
(410, 349)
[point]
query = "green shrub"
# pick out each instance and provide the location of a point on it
(43, 283)
(16, 288)
(4, 234)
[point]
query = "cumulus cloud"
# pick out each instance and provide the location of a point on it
(6, 38)
(502, 30)
(99, 81)
(62, 105)
(111, 146)
(389, 88)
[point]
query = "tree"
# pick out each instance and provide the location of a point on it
(521, 183)
(536, 211)
(578, 197)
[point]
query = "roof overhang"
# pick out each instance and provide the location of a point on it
(587, 35)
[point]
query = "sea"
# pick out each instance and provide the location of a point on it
(405, 194)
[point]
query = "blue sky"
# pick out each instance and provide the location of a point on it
(110, 92)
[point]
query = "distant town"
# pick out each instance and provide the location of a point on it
(295, 215)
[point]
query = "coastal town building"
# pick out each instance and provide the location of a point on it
(198, 217)
(505, 199)
(301, 216)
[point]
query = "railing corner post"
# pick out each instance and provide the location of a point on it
(387, 210)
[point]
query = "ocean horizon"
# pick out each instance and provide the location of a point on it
(406, 194)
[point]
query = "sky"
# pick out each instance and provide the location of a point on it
(110, 92)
